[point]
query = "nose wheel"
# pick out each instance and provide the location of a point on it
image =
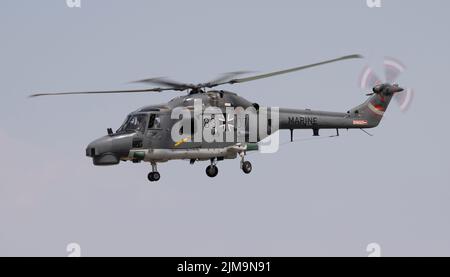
(212, 169)
(246, 166)
(154, 176)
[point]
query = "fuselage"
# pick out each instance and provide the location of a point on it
(149, 133)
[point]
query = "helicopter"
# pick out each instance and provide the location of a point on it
(173, 130)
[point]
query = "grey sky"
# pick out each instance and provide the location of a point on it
(317, 197)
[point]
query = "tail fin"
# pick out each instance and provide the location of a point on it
(372, 110)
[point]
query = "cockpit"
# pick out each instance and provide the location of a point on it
(138, 123)
(134, 123)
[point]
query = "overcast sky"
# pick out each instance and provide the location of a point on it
(314, 197)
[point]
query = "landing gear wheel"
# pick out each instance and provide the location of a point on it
(212, 171)
(246, 167)
(154, 176)
(150, 177)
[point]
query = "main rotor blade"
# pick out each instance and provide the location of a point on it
(271, 74)
(225, 77)
(165, 82)
(102, 92)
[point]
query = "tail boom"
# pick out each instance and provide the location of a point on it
(366, 115)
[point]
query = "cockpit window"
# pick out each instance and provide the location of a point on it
(154, 122)
(134, 123)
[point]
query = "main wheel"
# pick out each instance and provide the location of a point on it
(156, 176)
(150, 177)
(246, 167)
(153, 176)
(212, 171)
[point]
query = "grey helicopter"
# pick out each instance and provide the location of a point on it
(173, 130)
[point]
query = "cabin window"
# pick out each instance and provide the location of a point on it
(154, 122)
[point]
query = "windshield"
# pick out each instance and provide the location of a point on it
(134, 123)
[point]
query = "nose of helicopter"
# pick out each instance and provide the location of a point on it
(101, 151)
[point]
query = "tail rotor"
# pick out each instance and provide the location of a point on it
(392, 70)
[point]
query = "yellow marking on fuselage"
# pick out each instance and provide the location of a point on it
(183, 140)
